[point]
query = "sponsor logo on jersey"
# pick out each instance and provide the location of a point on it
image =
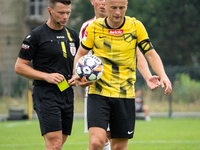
(130, 132)
(116, 32)
(28, 36)
(25, 46)
(60, 37)
(102, 37)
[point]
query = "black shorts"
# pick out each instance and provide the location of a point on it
(119, 112)
(54, 108)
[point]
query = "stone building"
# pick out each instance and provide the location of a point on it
(17, 19)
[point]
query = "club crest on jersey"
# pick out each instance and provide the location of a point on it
(25, 46)
(129, 37)
(72, 49)
(116, 32)
(85, 36)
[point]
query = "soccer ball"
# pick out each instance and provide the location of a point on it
(89, 68)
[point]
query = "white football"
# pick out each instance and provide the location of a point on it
(89, 68)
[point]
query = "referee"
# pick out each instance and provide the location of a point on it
(52, 48)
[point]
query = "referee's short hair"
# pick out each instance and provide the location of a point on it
(53, 2)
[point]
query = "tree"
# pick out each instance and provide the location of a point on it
(82, 11)
(173, 27)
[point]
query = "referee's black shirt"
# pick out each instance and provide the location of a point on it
(51, 50)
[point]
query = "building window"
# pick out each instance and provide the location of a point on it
(36, 8)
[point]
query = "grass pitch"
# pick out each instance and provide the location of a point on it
(159, 134)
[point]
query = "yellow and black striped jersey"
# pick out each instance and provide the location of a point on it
(117, 50)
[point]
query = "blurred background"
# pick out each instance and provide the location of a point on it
(173, 27)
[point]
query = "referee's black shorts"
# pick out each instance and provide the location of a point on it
(54, 108)
(119, 112)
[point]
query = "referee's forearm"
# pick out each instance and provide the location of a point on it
(30, 73)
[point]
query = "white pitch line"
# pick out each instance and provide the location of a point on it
(26, 144)
(84, 143)
(171, 142)
(11, 125)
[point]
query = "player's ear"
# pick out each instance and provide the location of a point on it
(92, 2)
(49, 10)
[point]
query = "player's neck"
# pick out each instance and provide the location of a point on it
(114, 25)
(100, 16)
(54, 25)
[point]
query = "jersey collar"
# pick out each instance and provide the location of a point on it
(114, 28)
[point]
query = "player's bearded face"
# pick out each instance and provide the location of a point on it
(116, 10)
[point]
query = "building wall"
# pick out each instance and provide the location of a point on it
(15, 24)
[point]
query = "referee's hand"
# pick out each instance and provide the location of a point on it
(79, 82)
(72, 81)
(54, 78)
